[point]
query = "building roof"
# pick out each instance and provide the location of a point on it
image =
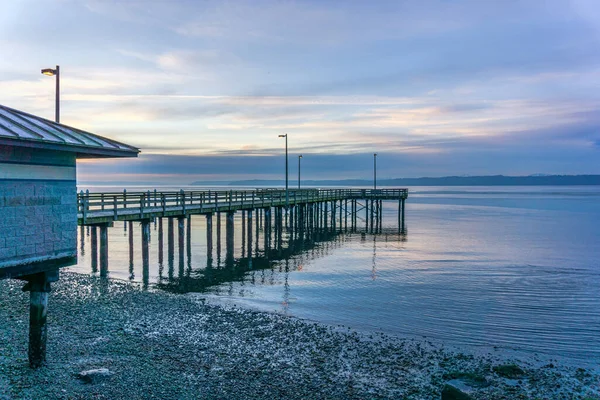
(18, 128)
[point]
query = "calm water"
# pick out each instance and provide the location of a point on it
(513, 267)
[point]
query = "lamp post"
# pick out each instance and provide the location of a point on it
(375, 171)
(55, 72)
(299, 158)
(287, 198)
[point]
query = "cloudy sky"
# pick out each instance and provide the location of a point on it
(436, 87)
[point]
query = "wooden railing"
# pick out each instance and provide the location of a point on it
(199, 201)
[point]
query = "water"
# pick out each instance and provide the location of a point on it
(512, 267)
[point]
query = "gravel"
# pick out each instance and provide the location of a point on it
(152, 344)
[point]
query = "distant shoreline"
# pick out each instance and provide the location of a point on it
(496, 180)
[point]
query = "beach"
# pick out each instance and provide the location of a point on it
(160, 345)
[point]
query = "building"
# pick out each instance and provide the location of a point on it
(38, 201)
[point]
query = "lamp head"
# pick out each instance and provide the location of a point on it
(49, 71)
(283, 135)
(300, 156)
(374, 154)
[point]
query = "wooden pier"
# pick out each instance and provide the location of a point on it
(302, 212)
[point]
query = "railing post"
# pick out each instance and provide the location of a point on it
(83, 206)
(163, 203)
(183, 200)
(230, 195)
(80, 202)
(102, 201)
(115, 207)
(154, 197)
(125, 198)
(142, 201)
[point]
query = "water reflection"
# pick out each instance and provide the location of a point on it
(242, 269)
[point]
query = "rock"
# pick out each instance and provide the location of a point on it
(510, 371)
(94, 376)
(449, 392)
(472, 379)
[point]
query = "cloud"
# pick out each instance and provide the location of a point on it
(437, 84)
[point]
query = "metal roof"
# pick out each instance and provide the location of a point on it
(18, 128)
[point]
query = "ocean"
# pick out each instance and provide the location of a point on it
(509, 268)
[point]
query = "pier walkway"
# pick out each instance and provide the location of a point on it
(101, 208)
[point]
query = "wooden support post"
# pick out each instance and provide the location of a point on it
(38, 286)
(276, 221)
(229, 229)
(145, 251)
(188, 240)
(403, 200)
(94, 246)
(346, 215)
(279, 222)
(130, 228)
(82, 240)
(209, 236)
(181, 239)
(249, 226)
(334, 215)
(243, 233)
(218, 215)
(292, 221)
(170, 239)
(372, 213)
(257, 231)
(160, 245)
(267, 230)
(367, 215)
(103, 250)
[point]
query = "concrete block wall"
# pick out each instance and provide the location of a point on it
(38, 206)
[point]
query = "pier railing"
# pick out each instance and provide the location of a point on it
(152, 203)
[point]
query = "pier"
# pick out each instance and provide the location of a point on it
(301, 214)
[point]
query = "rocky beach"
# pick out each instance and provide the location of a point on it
(110, 339)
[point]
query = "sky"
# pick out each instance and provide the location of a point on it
(203, 88)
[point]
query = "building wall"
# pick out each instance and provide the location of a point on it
(38, 206)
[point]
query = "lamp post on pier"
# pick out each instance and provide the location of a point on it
(287, 198)
(299, 158)
(55, 72)
(375, 171)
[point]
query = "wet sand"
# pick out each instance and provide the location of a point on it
(167, 346)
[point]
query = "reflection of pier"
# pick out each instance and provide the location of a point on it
(318, 243)
(306, 213)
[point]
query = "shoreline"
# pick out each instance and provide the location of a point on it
(163, 345)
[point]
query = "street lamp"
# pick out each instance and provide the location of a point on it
(55, 72)
(375, 171)
(299, 157)
(287, 198)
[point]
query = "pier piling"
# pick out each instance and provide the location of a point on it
(103, 250)
(94, 248)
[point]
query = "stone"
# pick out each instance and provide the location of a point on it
(94, 376)
(510, 371)
(449, 392)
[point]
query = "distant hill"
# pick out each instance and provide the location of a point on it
(495, 180)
